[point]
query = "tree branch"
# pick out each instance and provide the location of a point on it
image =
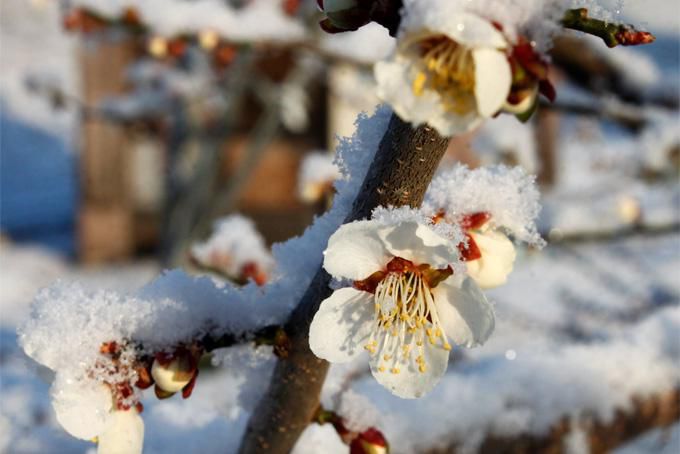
(399, 175)
(660, 410)
(611, 33)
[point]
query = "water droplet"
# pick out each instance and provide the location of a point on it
(460, 27)
(510, 355)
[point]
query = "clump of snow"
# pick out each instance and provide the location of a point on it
(317, 173)
(257, 20)
(234, 245)
(509, 195)
(357, 412)
(367, 45)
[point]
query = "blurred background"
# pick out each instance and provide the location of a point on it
(129, 133)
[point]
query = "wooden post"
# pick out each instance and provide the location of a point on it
(105, 224)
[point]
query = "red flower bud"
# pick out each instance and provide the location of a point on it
(370, 441)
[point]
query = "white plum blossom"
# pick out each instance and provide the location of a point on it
(449, 70)
(87, 410)
(405, 306)
(124, 433)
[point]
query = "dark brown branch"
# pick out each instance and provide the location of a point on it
(657, 411)
(399, 175)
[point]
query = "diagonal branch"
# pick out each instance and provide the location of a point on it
(399, 175)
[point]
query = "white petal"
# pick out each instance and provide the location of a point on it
(496, 262)
(82, 407)
(355, 251)
(395, 87)
(492, 80)
(418, 243)
(465, 313)
(342, 325)
(409, 382)
(466, 29)
(123, 435)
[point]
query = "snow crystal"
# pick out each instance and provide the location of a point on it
(234, 244)
(508, 194)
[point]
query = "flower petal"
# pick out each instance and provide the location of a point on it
(466, 29)
(395, 87)
(495, 264)
(124, 434)
(355, 251)
(82, 407)
(464, 312)
(342, 325)
(409, 382)
(492, 80)
(418, 243)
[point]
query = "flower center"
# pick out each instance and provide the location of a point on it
(447, 68)
(406, 319)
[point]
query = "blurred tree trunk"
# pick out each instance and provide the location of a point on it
(106, 224)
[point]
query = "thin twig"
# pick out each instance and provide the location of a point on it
(612, 34)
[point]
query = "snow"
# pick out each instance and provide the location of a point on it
(367, 45)
(258, 20)
(234, 244)
(317, 172)
(34, 46)
(509, 195)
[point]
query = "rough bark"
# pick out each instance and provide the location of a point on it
(656, 411)
(399, 175)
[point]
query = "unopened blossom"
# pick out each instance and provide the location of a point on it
(488, 252)
(449, 70)
(529, 79)
(316, 176)
(405, 308)
(236, 250)
(89, 410)
(175, 372)
(124, 433)
(370, 441)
